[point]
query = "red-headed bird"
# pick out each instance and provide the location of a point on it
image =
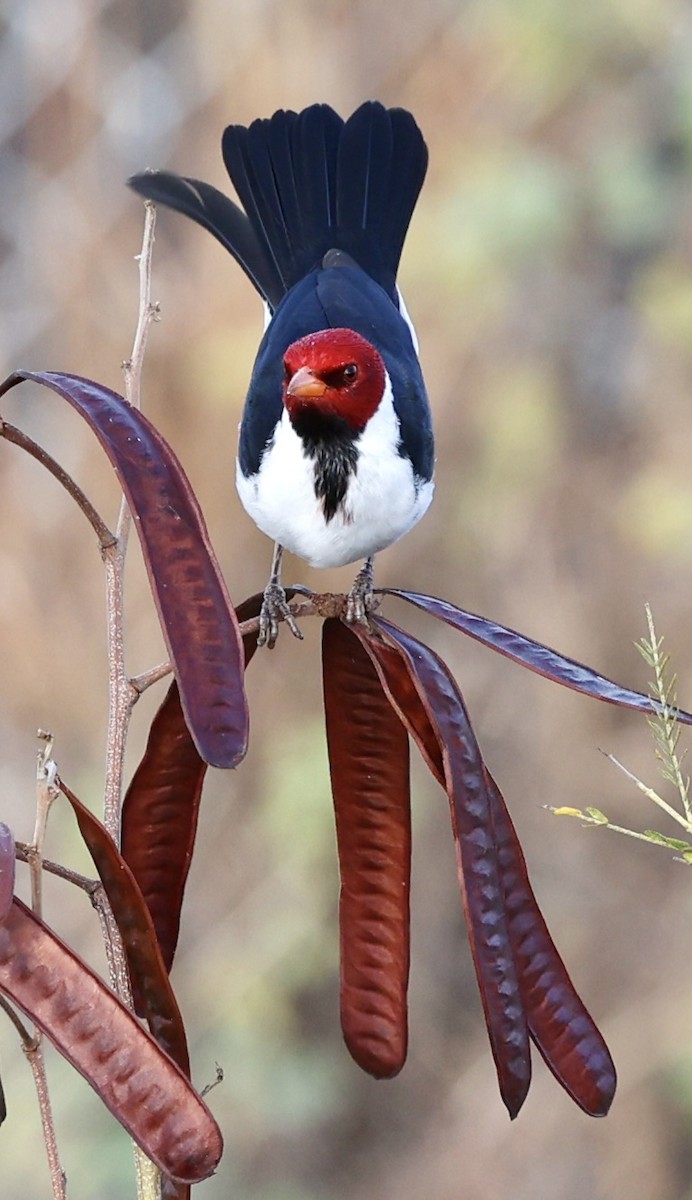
(335, 459)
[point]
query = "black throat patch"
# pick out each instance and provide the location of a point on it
(330, 442)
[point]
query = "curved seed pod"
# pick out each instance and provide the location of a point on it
(479, 872)
(143, 1088)
(159, 822)
(534, 655)
(369, 767)
(145, 964)
(562, 1029)
(161, 808)
(194, 607)
(559, 1024)
(7, 865)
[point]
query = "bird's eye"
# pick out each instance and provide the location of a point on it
(350, 372)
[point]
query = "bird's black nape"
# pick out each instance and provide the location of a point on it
(309, 183)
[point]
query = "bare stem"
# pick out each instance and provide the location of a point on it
(18, 438)
(113, 945)
(324, 604)
(122, 693)
(651, 794)
(46, 792)
(148, 311)
(34, 1055)
(148, 1175)
(27, 1038)
(141, 682)
(23, 849)
(319, 604)
(132, 367)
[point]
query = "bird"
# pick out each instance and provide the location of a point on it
(336, 452)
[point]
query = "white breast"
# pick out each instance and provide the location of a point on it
(383, 500)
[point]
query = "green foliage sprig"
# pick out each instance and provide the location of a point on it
(665, 729)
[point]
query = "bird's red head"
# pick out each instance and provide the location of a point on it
(335, 372)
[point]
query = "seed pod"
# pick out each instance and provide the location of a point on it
(104, 1041)
(197, 616)
(369, 767)
(478, 868)
(534, 655)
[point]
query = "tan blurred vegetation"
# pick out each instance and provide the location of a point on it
(549, 273)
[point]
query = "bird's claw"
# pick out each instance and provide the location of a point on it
(361, 598)
(274, 609)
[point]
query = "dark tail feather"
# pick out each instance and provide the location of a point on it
(406, 177)
(309, 183)
(316, 147)
(312, 183)
(283, 170)
(363, 179)
(215, 212)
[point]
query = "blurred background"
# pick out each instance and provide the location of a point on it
(548, 270)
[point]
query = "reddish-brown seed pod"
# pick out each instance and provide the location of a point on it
(369, 767)
(7, 868)
(161, 809)
(85, 1021)
(562, 1029)
(197, 617)
(533, 655)
(559, 1024)
(157, 1003)
(159, 821)
(479, 874)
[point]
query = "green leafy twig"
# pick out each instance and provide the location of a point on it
(594, 816)
(665, 730)
(665, 727)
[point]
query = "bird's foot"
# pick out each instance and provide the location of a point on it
(361, 598)
(274, 609)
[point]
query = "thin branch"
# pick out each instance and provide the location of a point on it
(122, 695)
(19, 438)
(650, 793)
(87, 885)
(46, 792)
(209, 1087)
(318, 604)
(141, 682)
(602, 822)
(133, 366)
(323, 604)
(122, 692)
(34, 1055)
(113, 945)
(148, 311)
(28, 1039)
(148, 1175)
